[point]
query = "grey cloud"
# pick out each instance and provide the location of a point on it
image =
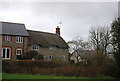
(77, 18)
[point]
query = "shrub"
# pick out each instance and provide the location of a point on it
(39, 57)
(30, 55)
(97, 59)
(19, 57)
(57, 60)
(53, 68)
(19, 65)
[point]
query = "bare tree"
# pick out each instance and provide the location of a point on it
(77, 45)
(100, 38)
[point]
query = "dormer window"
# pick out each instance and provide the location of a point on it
(7, 38)
(19, 39)
(35, 47)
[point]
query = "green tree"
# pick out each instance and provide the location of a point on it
(115, 30)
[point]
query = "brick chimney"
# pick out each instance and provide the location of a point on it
(58, 30)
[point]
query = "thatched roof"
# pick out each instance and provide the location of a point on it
(45, 39)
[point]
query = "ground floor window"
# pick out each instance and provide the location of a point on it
(62, 57)
(19, 53)
(51, 57)
(5, 53)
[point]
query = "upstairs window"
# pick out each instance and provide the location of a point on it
(35, 47)
(7, 38)
(19, 39)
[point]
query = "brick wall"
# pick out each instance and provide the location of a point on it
(13, 45)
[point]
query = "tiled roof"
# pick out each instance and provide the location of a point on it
(9, 28)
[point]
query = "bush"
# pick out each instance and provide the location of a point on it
(53, 68)
(19, 57)
(39, 57)
(26, 65)
(57, 60)
(29, 55)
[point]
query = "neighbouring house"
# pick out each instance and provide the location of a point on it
(14, 37)
(81, 55)
(16, 40)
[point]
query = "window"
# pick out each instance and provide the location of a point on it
(62, 57)
(19, 39)
(7, 38)
(51, 57)
(35, 47)
(44, 57)
(6, 53)
(19, 52)
(52, 47)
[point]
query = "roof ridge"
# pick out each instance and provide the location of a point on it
(12, 22)
(41, 32)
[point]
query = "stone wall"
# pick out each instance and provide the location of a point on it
(53, 53)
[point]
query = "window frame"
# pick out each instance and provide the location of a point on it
(63, 57)
(19, 39)
(7, 37)
(19, 50)
(35, 47)
(6, 53)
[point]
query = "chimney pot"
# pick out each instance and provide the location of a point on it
(58, 30)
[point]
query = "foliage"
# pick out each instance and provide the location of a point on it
(19, 57)
(115, 30)
(30, 55)
(52, 68)
(39, 57)
(57, 60)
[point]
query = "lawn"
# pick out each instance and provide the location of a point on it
(8, 77)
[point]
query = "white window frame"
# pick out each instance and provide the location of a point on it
(19, 39)
(35, 47)
(18, 50)
(7, 38)
(6, 53)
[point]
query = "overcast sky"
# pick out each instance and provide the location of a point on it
(76, 17)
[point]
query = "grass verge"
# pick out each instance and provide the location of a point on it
(29, 77)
